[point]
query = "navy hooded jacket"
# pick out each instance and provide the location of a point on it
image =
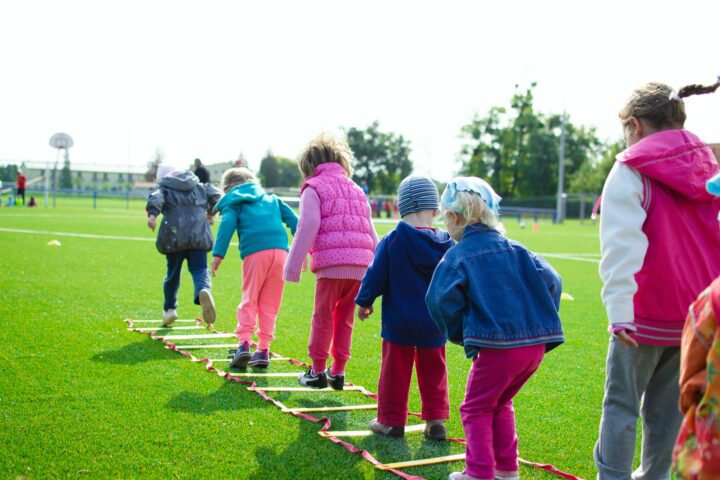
(401, 271)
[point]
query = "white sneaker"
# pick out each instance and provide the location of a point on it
(168, 317)
(208, 305)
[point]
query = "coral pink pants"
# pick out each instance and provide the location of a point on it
(332, 323)
(394, 383)
(487, 413)
(262, 290)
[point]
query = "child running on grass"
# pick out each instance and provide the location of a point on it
(660, 248)
(336, 228)
(258, 220)
(500, 301)
(184, 234)
(404, 263)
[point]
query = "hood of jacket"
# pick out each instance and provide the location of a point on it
(249, 192)
(676, 159)
(428, 246)
(182, 181)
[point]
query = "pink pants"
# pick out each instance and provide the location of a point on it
(332, 323)
(262, 290)
(487, 413)
(394, 383)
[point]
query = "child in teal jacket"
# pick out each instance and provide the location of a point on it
(258, 220)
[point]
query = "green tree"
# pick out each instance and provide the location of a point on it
(517, 149)
(382, 159)
(289, 173)
(65, 174)
(8, 174)
(269, 172)
(78, 181)
(590, 178)
(276, 171)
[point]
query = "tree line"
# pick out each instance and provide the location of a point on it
(516, 149)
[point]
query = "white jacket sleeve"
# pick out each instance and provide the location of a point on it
(623, 243)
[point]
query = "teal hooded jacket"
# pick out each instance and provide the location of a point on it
(258, 219)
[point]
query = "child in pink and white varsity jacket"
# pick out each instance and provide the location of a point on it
(336, 228)
(660, 248)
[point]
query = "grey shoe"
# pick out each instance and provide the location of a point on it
(435, 430)
(260, 359)
(380, 429)
(208, 305)
(241, 357)
(168, 317)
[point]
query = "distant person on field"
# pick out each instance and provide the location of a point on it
(258, 220)
(660, 247)
(500, 302)
(201, 172)
(336, 228)
(404, 262)
(20, 182)
(32, 202)
(365, 188)
(184, 235)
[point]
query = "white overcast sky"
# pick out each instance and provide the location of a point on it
(213, 79)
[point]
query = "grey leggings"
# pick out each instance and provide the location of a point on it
(648, 374)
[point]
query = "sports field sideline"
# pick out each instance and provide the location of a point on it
(82, 396)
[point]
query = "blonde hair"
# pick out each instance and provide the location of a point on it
(325, 148)
(236, 176)
(660, 106)
(474, 210)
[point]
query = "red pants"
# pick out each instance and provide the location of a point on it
(394, 383)
(332, 323)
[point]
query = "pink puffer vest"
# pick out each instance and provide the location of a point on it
(345, 236)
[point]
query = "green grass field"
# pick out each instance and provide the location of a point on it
(83, 397)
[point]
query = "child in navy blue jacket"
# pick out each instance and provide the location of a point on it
(500, 301)
(401, 271)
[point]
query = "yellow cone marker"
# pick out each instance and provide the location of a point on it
(566, 296)
(54, 243)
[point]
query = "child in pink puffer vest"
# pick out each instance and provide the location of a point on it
(336, 228)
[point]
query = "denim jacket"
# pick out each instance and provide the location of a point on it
(491, 292)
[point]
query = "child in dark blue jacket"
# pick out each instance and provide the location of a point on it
(500, 301)
(401, 271)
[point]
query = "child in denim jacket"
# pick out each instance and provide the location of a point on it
(500, 302)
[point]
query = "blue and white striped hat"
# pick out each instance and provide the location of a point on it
(417, 193)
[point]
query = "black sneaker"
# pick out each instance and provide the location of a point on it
(260, 358)
(307, 379)
(241, 357)
(336, 382)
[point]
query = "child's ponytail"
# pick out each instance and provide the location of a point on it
(696, 89)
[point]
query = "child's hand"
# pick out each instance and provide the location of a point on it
(625, 339)
(211, 219)
(152, 222)
(364, 312)
(216, 261)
